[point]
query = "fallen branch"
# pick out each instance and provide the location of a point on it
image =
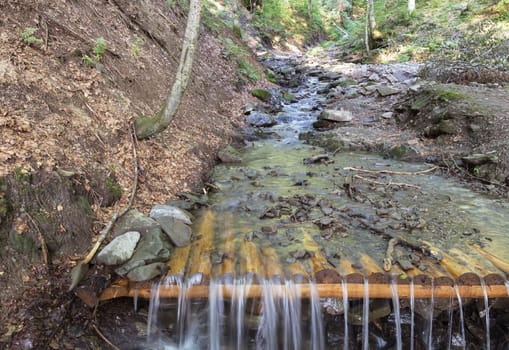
(415, 245)
(495, 260)
(398, 184)
(390, 172)
(389, 260)
(103, 337)
(79, 271)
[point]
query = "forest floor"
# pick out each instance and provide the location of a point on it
(59, 115)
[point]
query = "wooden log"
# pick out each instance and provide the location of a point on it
(199, 260)
(322, 270)
(474, 262)
(250, 262)
(178, 261)
(273, 268)
(297, 272)
(495, 260)
(225, 271)
(355, 290)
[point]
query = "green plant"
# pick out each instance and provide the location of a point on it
(28, 36)
(136, 46)
(248, 70)
(89, 61)
(113, 187)
(232, 49)
(99, 48)
(447, 95)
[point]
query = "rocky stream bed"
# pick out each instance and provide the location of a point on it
(328, 156)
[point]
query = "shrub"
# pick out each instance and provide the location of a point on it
(28, 36)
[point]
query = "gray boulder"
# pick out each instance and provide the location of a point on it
(336, 115)
(119, 250)
(153, 247)
(147, 272)
(164, 210)
(177, 230)
(133, 220)
(384, 90)
(261, 120)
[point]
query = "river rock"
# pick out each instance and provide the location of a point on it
(162, 210)
(147, 272)
(261, 120)
(133, 220)
(119, 250)
(262, 94)
(154, 246)
(229, 155)
(336, 115)
(177, 230)
(387, 115)
(384, 90)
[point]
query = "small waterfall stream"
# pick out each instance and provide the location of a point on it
(279, 319)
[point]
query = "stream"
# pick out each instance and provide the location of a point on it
(295, 200)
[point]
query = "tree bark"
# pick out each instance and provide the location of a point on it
(411, 6)
(146, 127)
(369, 25)
(310, 9)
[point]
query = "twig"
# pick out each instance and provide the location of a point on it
(104, 232)
(398, 184)
(392, 172)
(389, 260)
(104, 338)
(42, 241)
(415, 245)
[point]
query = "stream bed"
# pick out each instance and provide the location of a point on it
(299, 200)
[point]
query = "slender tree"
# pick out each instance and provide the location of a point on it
(411, 6)
(370, 25)
(146, 127)
(310, 9)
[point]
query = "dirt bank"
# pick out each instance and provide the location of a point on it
(65, 110)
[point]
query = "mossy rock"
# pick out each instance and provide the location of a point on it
(262, 94)
(289, 97)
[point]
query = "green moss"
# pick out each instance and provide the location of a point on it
(447, 95)
(270, 76)
(261, 94)
(288, 96)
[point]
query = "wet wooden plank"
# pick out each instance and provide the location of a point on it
(322, 270)
(272, 265)
(199, 259)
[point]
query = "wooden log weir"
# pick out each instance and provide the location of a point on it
(355, 290)
(461, 267)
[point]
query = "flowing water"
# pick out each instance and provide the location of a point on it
(277, 178)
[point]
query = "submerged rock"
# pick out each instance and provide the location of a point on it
(119, 250)
(261, 120)
(229, 155)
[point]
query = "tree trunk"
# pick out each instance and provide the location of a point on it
(146, 127)
(369, 25)
(411, 6)
(310, 9)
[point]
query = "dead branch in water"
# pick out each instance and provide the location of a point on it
(389, 260)
(103, 337)
(397, 184)
(390, 172)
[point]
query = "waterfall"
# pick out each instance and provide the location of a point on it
(365, 318)
(412, 315)
(462, 319)
(486, 314)
(397, 315)
(345, 312)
